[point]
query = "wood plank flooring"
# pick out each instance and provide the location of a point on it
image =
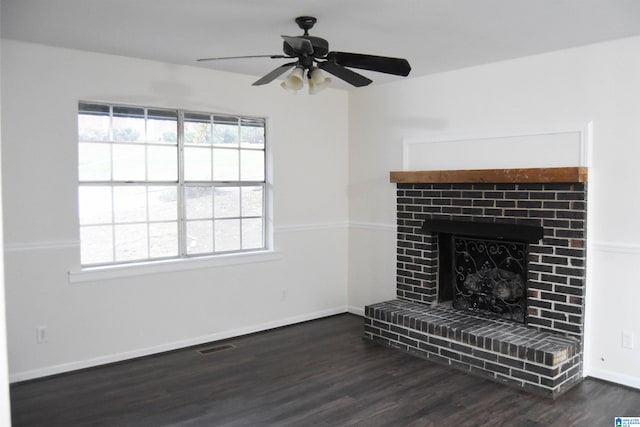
(319, 373)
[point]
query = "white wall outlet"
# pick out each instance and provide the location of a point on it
(42, 335)
(283, 295)
(627, 339)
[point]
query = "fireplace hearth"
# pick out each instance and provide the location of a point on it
(506, 248)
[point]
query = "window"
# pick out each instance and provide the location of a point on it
(159, 184)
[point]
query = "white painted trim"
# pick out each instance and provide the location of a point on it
(617, 247)
(586, 145)
(584, 130)
(358, 311)
(406, 147)
(373, 226)
(118, 357)
(587, 324)
(75, 244)
(297, 228)
(42, 246)
(166, 266)
(614, 377)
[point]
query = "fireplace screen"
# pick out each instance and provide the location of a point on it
(490, 277)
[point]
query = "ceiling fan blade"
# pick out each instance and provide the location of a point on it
(381, 64)
(243, 57)
(299, 44)
(273, 74)
(345, 74)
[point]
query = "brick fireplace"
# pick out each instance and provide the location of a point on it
(543, 355)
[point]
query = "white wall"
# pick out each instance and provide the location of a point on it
(5, 405)
(105, 320)
(560, 90)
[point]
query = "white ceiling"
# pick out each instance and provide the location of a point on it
(434, 35)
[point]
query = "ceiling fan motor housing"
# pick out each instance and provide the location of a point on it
(320, 47)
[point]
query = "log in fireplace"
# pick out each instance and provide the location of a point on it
(483, 265)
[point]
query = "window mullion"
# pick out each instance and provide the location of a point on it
(146, 193)
(182, 209)
(264, 214)
(146, 179)
(113, 205)
(213, 186)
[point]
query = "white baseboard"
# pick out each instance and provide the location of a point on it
(614, 377)
(359, 311)
(112, 358)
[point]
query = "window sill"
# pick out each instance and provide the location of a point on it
(93, 274)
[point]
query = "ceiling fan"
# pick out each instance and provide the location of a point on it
(312, 54)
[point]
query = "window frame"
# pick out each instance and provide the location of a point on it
(181, 185)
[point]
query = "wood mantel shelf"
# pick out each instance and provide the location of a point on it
(532, 175)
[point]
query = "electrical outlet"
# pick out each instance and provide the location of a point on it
(627, 339)
(41, 334)
(283, 295)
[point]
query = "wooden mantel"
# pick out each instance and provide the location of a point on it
(560, 175)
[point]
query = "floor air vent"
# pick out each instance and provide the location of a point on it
(216, 349)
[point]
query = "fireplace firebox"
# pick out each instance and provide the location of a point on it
(485, 276)
(490, 276)
(485, 268)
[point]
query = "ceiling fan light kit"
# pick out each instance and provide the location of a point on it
(294, 81)
(311, 54)
(317, 81)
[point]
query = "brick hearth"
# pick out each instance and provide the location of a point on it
(555, 284)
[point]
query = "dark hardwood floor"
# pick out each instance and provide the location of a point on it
(319, 373)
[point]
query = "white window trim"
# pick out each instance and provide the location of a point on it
(196, 261)
(117, 271)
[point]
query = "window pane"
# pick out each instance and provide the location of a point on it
(130, 204)
(199, 202)
(94, 162)
(96, 244)
(197, 131)
(227, 235)
(227, 202)
(162, 131)
(128, 163)
(197, 164)
(252, 133)
(252, 236)
(93, 127)
(163, 240)
(136, 212)
(225, 165)
(94, 205)
(131, 242)
(163, 203)
(162, 126)
(128, 124)
(252, 165)
(225, 131)
(252, 201)
(199, 237)
(162, 163)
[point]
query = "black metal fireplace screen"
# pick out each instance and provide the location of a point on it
(490, 276)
